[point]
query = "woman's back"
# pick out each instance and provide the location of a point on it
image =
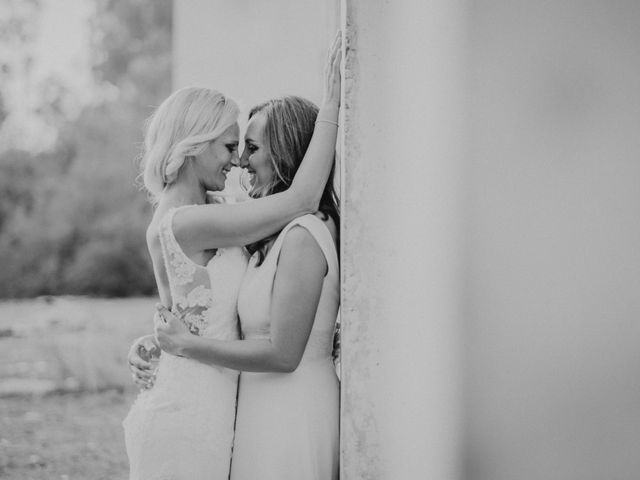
(183, 426)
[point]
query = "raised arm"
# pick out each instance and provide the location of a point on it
(213, 226)
(296, 293)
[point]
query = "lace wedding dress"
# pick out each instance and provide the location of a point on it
(182, 428)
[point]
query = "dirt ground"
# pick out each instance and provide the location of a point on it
(64, 437)
(65, 386)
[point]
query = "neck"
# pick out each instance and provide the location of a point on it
(186, 190)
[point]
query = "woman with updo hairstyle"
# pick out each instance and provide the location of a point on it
(190, 144)
(180, 129)
(181, 425)
(287, 425)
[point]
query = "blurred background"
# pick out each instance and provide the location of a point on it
(532, 230)
(77, 80)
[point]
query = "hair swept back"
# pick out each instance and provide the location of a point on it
(289, 126)
(180, 128)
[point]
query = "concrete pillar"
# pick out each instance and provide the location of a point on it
(401, 250)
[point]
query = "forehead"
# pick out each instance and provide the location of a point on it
(231, 134)
(255, 127)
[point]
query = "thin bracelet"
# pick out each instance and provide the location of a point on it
(328, 121)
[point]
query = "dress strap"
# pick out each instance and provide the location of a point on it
(320, 232)
(180, 268)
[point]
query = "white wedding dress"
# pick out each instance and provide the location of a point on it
(182, 428)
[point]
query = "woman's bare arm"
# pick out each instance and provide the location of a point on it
(212, 226)
(296, 293)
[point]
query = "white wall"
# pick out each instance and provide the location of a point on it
(254, 50)
(401, 252)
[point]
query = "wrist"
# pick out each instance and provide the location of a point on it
(184, 347)
(329, 110)
(328, 114)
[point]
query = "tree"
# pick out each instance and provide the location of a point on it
(132, 48)
(75, 220)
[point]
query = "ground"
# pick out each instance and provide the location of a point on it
(65, 387)
(64, 436)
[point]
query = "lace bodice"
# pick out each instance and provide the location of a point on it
(182, 428)
(204, 297)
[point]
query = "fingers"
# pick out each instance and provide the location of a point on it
(139, 363)
(142, 373)
(143, 383)
(159, 337)
(332, 71)
(337, 48)
(334, 51)
(337, 40)
(332, 48)
(158, 319)
(135, 359)
(162, 319)
(335, 66)
(162, 311)
(336, 55)
(164, 316)
(161, 308)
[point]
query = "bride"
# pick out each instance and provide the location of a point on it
(182, 428)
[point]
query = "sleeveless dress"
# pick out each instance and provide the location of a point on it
(182, 428)
(287, 425)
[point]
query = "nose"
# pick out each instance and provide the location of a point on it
(235, 160)
(244, 159)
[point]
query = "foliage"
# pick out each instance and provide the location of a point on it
(132, 45)
(72, 220)
(16, 21)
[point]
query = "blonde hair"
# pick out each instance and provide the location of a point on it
(180, 128)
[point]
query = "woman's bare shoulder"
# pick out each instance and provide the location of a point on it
(153, 235)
